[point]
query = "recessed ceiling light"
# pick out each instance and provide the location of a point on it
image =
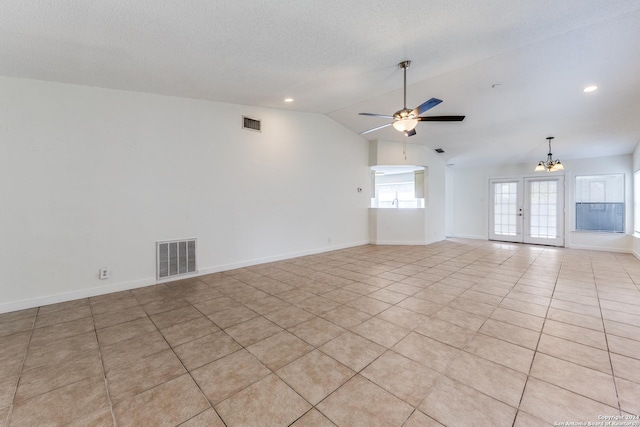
(288, 100)
(590, 88)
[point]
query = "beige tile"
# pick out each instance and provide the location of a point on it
(52, 308)
(114, 305)
(208, 418)
(554, 404)
(62, 405)
(624, 346)
(501, 352)
(131, 349)
(175, 316)
(315, 375)
(525, 420)
(573, 297)
(189, 331)
(524, 307)
(426, 351)
(288, 316)
(381, 332)
(268, 304)
(528, 297)
(577, 353)
(576, 319)
(402, 317)
(404, 288)
(253, 330)
(228, 375)
(206, 349)
(317, 305)
(165, 405)
(517, 318)
(215, 305)
(573, 307)
(622, 330)
(362, 403)
(232, 316)
(7, 390)
(313, 418)
(120, 316)
(629, 393)
(268, 402)
(575, 333)
(482, 297)
(488, 377)
(316, 331)
(388, 296)
(294, 296)
(445, 332)
(460, 318)
(61, 350)
(346, 317)
(418, 419)
(511, 333)
(45, 378)
(125, 381)
(353, 350)
(454, 404)
(123, 331)
(99, 418)
(626, 367)
(402, 377)
(62, 316)
(575, 378)
(20, 314)
(45, 336)
(279, 350)
(164, 305)
(435, 296)
(369, 305)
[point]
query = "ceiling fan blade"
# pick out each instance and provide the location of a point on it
(426, 106)
(376, 115)
(411, 132)
(376, 128)
(441, 119)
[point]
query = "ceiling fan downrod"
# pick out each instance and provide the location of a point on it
(404, 65)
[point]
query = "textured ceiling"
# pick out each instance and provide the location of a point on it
(339, 58)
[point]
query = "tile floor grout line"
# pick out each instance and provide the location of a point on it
(104, 371)
(535, 352)
(606, 339)
(24, 360)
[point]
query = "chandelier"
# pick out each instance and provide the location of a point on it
(550, 165)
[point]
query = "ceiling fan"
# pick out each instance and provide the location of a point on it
(406, 120)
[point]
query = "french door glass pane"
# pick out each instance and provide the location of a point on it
(543, 202)
(505, 208)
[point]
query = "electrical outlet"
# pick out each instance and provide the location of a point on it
(104, 273)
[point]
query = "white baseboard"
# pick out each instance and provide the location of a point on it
(600, 249)
(402, 242)
(125, 286)
(469, 236)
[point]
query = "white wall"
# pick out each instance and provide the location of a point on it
(92, 177)
(469, 191)
(636, 166)
(391, 153)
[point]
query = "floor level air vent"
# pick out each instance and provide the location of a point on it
(251, 124)
(175, 258)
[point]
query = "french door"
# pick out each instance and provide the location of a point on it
(527, 210)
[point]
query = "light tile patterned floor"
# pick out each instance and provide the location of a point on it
(456, 333)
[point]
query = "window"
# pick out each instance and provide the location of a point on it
(398, 187)
(600, 203)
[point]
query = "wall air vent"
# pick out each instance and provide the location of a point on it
(439, 150)
(175, 258)
(251, 124)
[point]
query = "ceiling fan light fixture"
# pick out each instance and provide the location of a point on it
(405, 125)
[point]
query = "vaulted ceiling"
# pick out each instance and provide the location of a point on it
(515, 68)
